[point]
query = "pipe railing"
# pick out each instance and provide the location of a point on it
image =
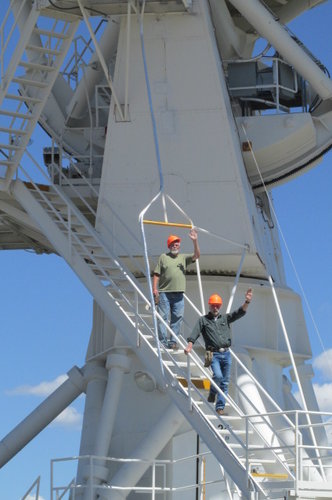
(297, 482)
(273, 65)
(152, 488)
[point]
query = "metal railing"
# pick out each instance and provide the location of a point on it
(82, 49)
(269, 74)
(154, 484)
(157, 485)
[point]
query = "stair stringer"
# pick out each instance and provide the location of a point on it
(144, 352)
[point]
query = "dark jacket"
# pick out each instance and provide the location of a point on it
(216, 332)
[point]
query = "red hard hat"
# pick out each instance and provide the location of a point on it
(215, 300)
(172, 238)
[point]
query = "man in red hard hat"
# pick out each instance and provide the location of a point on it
(169, 285)
(217, 334)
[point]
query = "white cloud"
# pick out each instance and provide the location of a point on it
(70, 417)
(33, 497)
(323, 363)
(42, 389)
(324, 396)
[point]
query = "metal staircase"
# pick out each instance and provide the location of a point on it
(236, 440)
(28, 73)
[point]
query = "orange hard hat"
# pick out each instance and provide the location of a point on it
(215, 300)
(172, 238)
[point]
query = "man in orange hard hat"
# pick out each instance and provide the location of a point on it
(169, 284)
(217, 334)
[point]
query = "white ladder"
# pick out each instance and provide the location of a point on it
(28, 73)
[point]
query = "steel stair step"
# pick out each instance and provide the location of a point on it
(200, 383)
(50, 34)
(43, 50)
(6, 163)
(237, 432)
(30, 83)
(12, 147)
(13, 131)
(14, 114)
(36, 66)
(18, 97)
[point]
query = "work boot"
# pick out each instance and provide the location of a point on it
(173, 346)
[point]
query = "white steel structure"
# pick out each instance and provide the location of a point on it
(164, 115)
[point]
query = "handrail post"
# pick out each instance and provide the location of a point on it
(247, 448)
(51, 479)
(297, 461)
(236, 281)
(136, 318)
(90, 477)
(188, 382)
(153, 495)
(200, 287)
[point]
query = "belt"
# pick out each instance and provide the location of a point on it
(220, 349)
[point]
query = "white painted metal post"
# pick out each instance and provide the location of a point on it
(297, 461)
(236, 281)
(153, 494)
(188, 382)
(200, 287)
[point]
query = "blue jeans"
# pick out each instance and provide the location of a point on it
(170, 303)
(221, 368)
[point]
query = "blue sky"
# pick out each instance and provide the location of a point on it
(47, 313)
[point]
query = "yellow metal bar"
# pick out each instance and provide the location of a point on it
(162, 223)
(271, 475)
(200, 383)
